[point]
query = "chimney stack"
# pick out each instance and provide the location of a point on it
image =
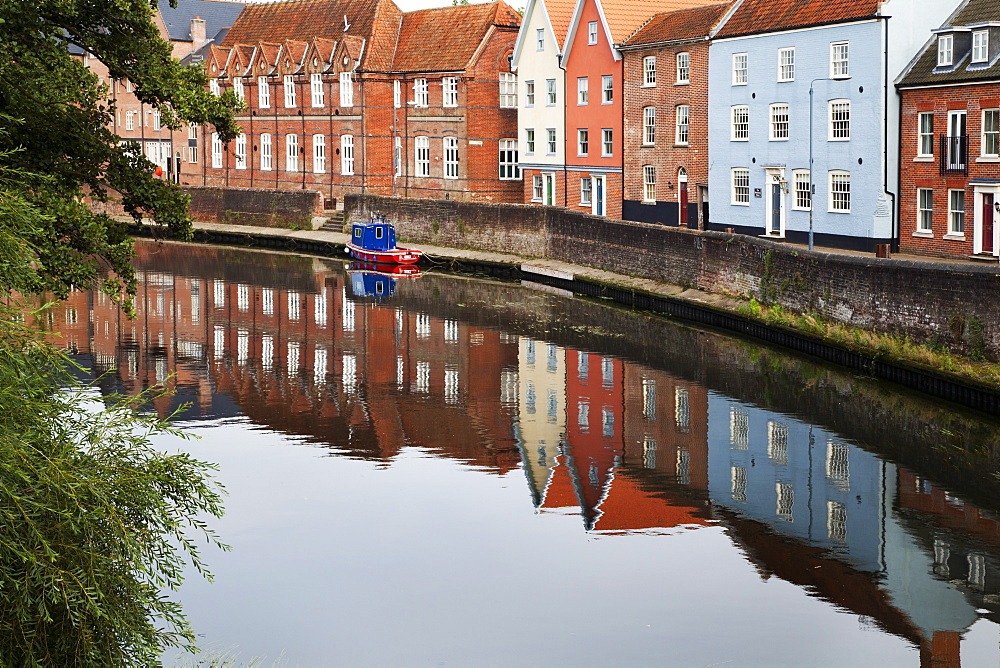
(197, 33)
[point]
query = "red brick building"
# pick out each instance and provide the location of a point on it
(665, 63)
(357, 96)
(950, 155)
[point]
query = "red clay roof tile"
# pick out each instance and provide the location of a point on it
(758, 16)
(446, 38)
(625, 16)
(678, 25)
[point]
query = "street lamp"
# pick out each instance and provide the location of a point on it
(812, 185)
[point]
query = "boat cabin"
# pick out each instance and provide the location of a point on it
(365, 284)
(377, 235)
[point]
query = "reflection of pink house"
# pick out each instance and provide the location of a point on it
(631, 508)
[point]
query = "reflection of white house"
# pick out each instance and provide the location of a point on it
(541, 425)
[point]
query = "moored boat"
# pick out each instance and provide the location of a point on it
(375, 241)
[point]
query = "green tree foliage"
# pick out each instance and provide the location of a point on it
(94, 521)
(55, 119)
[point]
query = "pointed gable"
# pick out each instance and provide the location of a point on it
(621, 18)
(760, 16)
(679, 25)
(447, 38)
(291, 55)
(239, 60)
(319, 55)
(560, 13)
(216, 60)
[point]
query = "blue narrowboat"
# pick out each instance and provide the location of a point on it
(376, 242)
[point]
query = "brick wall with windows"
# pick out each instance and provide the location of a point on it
(934, 169)
(661, 144)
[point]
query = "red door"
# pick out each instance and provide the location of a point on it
(987, 238)
(684, 203)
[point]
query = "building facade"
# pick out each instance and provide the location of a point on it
(950, 125)
(665, 64)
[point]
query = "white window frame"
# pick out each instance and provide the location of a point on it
(291, 153)
(263, 93)
(289, 84)
(529, 141)
(607, 142)
(317, 94)
(539, 39)
(582, 142)
(213, 86)
(157, 123)
(216, 151)
(649, 126)
(346, 90)
(990, 131)
(925, 211)
(739, 186)
(420, 97)
(529, 93)
(449, 92)
(582, 90)
(422, 156)
(266, 155)
(450, 157)
(682, 125)
(683, 62)
(397, 94)
(509, 170)
(241, 151)
(508, 90)
(839, 191)
(238, 87)
(347, 154)
(649, 71)
(925, 134)
(839, 126)
(956, 214)
(397, 156)
(550, 93)
(980, 46)
(840, 60)
(739, 123)
(945, 50)
(741, 74)
(551, 141)
(586, 190)
(130, 120)
(592, 33)
(319, 154)
(607, 89)
(778, 122)
(648, 183)
(192, 149)
(802, 190)
(537, 188)
(786, 64)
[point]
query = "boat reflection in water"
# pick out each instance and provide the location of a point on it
(636, 426)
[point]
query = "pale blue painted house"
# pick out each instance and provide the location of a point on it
(773, 67)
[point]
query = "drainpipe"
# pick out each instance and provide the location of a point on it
(885, 142)
(565, 136)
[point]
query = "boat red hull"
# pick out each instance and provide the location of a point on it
(395, 256)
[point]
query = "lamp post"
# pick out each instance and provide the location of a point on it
(812, 184)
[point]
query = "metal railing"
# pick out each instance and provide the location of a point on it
(955, 154)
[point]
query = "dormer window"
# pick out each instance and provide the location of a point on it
(946, 49)
(980, 46)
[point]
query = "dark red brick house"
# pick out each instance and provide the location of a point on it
(665, 64)
(949, 196)
(355, 96)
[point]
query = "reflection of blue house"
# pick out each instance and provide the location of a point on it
(766, 64)
(803, 481)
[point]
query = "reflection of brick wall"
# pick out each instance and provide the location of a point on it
(254, 206)
(944, 305)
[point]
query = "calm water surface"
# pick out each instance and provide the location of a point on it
(447, 471)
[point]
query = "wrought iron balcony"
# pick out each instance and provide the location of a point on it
(955, 154)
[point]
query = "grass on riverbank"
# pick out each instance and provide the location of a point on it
(876, 344)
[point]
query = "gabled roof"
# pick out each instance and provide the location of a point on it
(239, 60)
(303, 20)
(624, 17)
(560, 13)
(761, 16)
(217, 14)
(217, 58)
(446, 39)
(924, 69)
(556, 14)
(679, 25)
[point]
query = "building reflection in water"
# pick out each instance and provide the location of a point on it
(291, 344)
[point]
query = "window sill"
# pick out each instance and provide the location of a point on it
(837, 211)
(739, 203)
(644, 145)
(923, 235)
(772, 235)
(924, 158)
(681, 145)
(739, 84)
(839, 139)
(682, 83)
(954, 237)
(988, 158)
(648, 202)
(585, 204)
(778, 139)
(786, 80)
(648, 86)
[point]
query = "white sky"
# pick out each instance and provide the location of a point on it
(408, 5)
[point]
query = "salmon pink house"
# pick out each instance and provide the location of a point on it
(594, 91)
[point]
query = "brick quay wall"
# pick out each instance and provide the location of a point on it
(950, 304)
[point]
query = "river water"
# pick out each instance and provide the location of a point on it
(442, 470)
